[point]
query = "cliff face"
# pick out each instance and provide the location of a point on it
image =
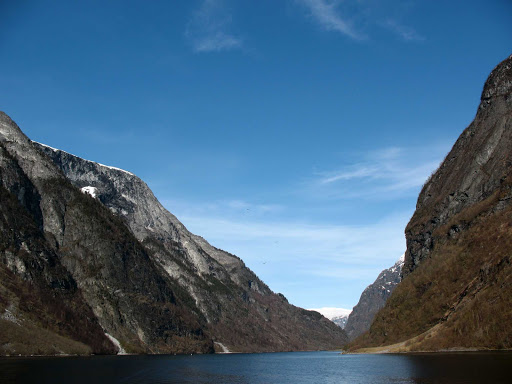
(125, 267)
(476, 168)
(61, 245)
(457, 287)
(372, 299)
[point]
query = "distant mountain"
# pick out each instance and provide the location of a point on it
(340, 321)
(338, 316)
(90, 262)
(456, 291)
(372, 299)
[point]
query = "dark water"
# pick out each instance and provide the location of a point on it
(299, 367)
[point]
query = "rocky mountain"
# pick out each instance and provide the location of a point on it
(456, 290)
(372, 299)
(92, 262)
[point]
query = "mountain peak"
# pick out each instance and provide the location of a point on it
(499, 82)
(9, 130)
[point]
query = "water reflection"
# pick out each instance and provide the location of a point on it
(307, 367)
(492, 367)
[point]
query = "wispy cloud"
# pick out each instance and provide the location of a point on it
(389, 172)
(293, 240)
(318, 259)
(225, 208)
(345, 272)
(404, 32)
(361, 19)
(251, 207)
(208, 29)
(327, 14)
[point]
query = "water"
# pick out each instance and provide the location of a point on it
(299, 367)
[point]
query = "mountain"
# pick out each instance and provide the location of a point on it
(338, 316)
(340, 321)
(92, 263)
(372, 299)
(74, 278)
(456, 291)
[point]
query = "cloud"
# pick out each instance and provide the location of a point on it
(404, 32)
(361, 19)
(208, 29)
(327, 15)
(388, 173)
(358, 171)
(225, 208)
(296, 241)
(255, 208)
(331, 312)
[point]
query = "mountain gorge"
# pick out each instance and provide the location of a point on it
(91, 262)
(456, 291)
(372, 299)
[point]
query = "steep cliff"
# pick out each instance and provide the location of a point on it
(139, 276)
(80, 265)
(372, 299)
(457, 278)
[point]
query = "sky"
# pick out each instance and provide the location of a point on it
(295, 134)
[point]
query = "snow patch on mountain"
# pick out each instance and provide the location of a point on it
(90, 161)
(93, 191)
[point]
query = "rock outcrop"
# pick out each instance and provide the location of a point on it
(372, 299)
(456, 290)
(121, 271)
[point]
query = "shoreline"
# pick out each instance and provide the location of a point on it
(362, 351)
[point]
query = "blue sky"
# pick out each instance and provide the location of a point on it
(293, 133)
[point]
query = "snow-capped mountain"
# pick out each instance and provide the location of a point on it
(338, 316)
